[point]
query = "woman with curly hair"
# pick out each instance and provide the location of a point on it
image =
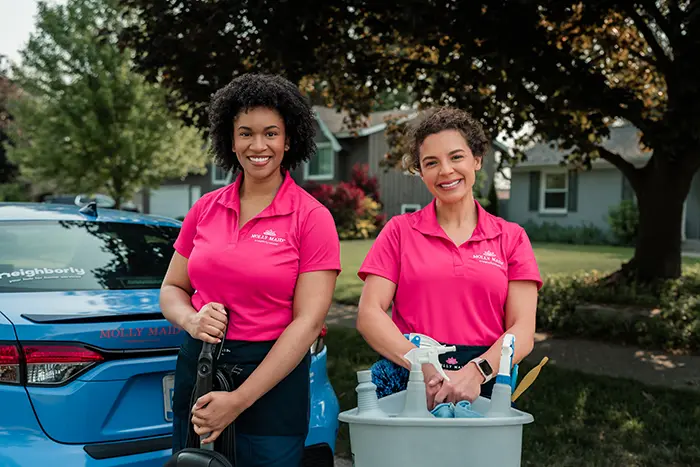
(451, 271)
(254, 269)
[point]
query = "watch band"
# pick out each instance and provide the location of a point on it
(478, 363)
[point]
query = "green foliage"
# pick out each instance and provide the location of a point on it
(665, 318)
(550, 232)
(14, 191)
(8, 171)
(492, 199)
(624, 222)
(84, 121)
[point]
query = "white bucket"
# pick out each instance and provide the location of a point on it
(441, 442)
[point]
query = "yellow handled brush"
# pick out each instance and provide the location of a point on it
(528, 380)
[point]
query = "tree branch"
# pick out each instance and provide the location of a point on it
(626, 167)
(665, 25)
(663, 61)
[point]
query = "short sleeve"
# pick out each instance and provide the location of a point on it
(319, 248)
(184, 244)
(383, 258)
(522, 265)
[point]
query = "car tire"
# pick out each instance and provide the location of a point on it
(318, 455)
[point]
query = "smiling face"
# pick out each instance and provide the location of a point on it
(447, 165)
(259, 141)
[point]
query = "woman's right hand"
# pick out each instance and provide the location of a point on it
(209, 324)
(433, 383)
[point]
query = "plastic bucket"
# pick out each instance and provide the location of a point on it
(391, 441)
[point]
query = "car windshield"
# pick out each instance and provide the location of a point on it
(41, 256)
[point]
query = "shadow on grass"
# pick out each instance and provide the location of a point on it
(580, 419)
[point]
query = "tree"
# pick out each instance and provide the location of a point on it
(84, 121)
(567, 70)
(8, 171)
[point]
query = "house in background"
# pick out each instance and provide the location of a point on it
(339, 149)
(542, 190)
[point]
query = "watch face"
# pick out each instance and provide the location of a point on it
(485, 367)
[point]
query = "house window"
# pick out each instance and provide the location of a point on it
(219, 176)
(321, 165)
(410, 208)
(554, 192)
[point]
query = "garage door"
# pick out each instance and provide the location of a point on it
(174, 200)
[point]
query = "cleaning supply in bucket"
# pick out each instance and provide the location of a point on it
(416, 404)
(462, 409)
(529, 378)
(391, 378)
(502, 389)
(367, 401)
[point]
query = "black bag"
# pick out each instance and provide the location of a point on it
(223, 451)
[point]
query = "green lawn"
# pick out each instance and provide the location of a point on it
(551, 258)
(580, 420)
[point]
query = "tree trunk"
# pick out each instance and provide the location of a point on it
(661, 191)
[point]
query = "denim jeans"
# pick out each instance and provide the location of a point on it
(272, 431)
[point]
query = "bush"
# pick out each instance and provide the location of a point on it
(549, 232)
(667, 318)
(13, 192)
(624, 222)
(355, 205)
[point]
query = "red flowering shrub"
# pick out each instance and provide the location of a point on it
(354, 205)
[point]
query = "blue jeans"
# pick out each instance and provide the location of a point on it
(272, 431)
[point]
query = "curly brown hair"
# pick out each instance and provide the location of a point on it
(261, 90)
(440, 119)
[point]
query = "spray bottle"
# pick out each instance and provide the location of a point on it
(415, 404)
(501, 395)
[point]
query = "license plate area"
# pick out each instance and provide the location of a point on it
(168, 390)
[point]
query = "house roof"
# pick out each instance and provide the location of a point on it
(335, 121)
(623, 140)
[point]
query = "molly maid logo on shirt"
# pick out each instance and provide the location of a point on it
(269, 236)
(489, 257)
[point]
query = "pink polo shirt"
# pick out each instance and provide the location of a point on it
(253, 270)
(453, 294)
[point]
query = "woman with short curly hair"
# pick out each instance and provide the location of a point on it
(254, 270)
(451, 271)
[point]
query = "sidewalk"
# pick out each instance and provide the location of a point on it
(649, 367)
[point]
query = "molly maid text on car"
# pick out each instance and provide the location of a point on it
(86, 357)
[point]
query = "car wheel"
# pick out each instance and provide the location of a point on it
(318, 455)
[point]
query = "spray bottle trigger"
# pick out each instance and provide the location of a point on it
(436, 364)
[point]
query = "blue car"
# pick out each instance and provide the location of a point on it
(86, 357)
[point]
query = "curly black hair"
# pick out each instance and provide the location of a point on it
(261, 90)
(440, 119)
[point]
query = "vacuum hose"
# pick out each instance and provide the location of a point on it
(205, 381)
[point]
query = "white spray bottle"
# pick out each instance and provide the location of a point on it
(501, 395)
(415, 404)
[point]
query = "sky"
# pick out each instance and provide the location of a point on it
(16, 23)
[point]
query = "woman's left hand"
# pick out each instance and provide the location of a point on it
(464, 384)
(214, 411)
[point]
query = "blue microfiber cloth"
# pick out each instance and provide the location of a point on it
(444, 410)
(461, 409)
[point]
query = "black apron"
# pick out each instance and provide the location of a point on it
(282, 411)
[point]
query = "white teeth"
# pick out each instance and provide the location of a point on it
(258, 159)
(449, 185)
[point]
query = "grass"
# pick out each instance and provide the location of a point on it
(580, 420)
(551, 258)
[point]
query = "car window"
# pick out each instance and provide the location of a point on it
(79, 255)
